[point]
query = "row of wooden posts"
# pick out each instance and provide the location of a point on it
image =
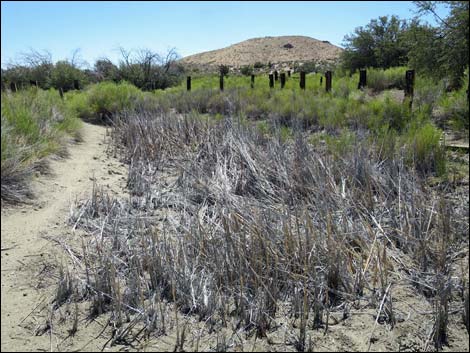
(409, 82)
(409, 79)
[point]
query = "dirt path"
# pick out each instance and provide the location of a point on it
(27, 257)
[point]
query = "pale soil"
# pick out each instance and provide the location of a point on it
(29, 262)
(30, 267)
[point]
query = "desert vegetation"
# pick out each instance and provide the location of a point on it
(35, 124)
(244, 230)
(276, 216)
(276, 223)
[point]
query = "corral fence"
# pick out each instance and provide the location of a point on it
(274, 76)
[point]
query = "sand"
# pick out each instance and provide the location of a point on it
(29, 260)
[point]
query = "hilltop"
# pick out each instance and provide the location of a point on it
(283, 49)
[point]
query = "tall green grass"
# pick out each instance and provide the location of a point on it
(34, 125)
(379, 80)
(455, 107)
(423, 148)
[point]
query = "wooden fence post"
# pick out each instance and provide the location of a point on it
(409, 85)
(328, 76)
(252, 84)
(302, 79)
(13, 87)
(61, 93)
(221, 82)
(188, 83)
(288, 73)
(283, 79)
(321, 80)
(468, 90)
(271, 80)
(362, 79)
(275, 76)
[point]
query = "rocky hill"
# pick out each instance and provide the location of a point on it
(275, 50)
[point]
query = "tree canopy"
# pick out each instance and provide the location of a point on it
(439, 51)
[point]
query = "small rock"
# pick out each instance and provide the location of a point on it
(25, 294)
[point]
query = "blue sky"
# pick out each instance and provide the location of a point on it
(99, 28)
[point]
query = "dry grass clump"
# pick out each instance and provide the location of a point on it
(243, 231)
(34, 125)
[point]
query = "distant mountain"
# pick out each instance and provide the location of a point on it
(284, 49)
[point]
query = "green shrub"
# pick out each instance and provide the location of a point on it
(113, 98)
(455, 107)
(64, 74)
(259, 65)
(309, 66)
(34, 124)
(423, 149)
(103, 100)
(379, 80)
(341, 145)
(285, 134)
(263, 128)
(427, 93)
(246, 70)
(77, 102)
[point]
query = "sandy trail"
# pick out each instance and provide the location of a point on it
(26, 255)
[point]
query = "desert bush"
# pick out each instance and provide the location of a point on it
(246, 70)
(341, 145)
(148, 70)
(379, 80)
(38, 68)
(259, 65)
(343, 87)
(424, 149)
(309, 66)
(100, 102)
(34, 125)
(455, 107)
(64, 74)
(427, 93)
